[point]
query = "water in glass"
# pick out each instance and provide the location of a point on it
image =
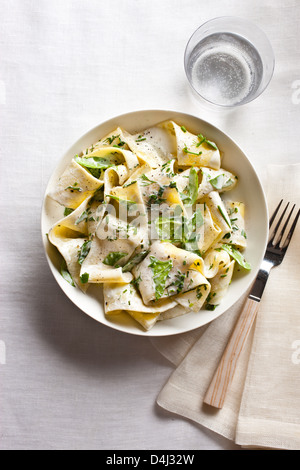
(225, 69)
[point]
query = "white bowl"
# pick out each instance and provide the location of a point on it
(248, 190)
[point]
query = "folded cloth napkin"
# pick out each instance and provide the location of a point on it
(262, 408)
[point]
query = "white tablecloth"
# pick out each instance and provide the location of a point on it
(67, 382)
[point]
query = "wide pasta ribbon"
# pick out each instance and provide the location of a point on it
(145, 217)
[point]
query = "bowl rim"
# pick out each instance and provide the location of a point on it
(168, 112)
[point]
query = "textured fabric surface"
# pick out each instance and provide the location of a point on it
(262, 406)
(66, 66)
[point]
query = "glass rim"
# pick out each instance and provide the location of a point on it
(249, 23)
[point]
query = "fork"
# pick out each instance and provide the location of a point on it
(275, 251)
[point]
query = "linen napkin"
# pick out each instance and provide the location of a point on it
(262, 408)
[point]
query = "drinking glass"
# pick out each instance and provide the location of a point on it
(229, 61)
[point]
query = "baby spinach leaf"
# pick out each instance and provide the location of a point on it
(65, 273)
(94, 162)
(136, 259)
(190, 193)
(237, 256)
(113, 257)
(160, 271)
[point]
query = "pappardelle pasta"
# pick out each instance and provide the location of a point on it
(144, 216)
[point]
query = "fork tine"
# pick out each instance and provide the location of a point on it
(290, 234)
(275, 213)
(273, 233)
(278, 238)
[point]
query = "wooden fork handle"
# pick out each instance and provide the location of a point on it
(224, 374)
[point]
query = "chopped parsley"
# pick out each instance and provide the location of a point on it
(136, 282)
(199, 294)
(156, 198)
(168, 168)
(179, 281)
(109, 140)
(208, 305)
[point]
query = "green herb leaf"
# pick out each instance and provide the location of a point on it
(217, 182)
(160, 271)
(146, 180)
(243, 233)
(98, 195)
(225, 216)
(126, 202)
(220, 181)
(156, 198)
(109, 140)
(210, 307)
(94, 162)
(84, 251)
(180, 230)
(136, 259)
(190, 240)
(68, 211)
(129, 184)
(65, 273)
(84, 278)
(186, 150)
(190, 193)
(179, 281)
(136, 282)
(203, 139)
(199, 294)
(82, 217)
(237, 255)
(113, 257)
(75, 187)
(168, 168)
